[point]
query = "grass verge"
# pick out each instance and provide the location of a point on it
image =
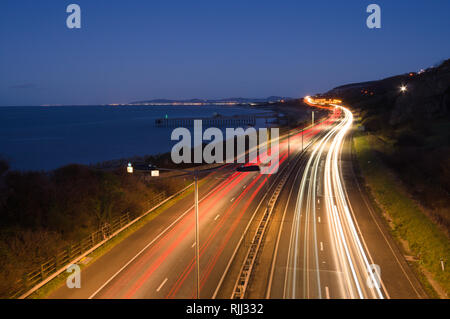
(418, 234)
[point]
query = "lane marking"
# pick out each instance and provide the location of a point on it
(321, 246)
(327, 292)
(274, 260)
(265, 194)
(217, 217)
(162, 284)
(150, 243)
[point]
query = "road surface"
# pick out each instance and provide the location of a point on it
(326, 241)
(157, 261)
(315, 246)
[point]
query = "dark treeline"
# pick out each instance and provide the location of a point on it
(43, 212)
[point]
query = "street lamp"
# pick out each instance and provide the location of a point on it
(403, 88)
(154, 173)
(249, 168)
(254, 168)
(289, 141)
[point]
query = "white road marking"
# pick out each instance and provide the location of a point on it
(321, 246)
(217, 217)
(319, 218)
(327, 292)
(148, 245)
(162, 284)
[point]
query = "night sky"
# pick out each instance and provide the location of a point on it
(134, 50)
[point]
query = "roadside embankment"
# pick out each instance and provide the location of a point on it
(427, 244)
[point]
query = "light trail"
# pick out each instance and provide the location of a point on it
(308, 184)
(352, 257)
(145, 271)
(353, 275)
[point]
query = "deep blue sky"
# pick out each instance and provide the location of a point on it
(135, 49)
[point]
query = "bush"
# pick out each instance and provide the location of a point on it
(41, 213)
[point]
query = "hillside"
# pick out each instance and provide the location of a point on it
(412, 127)
(427, 98)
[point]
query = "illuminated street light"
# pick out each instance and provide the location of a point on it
(403, 88)
(250, 168)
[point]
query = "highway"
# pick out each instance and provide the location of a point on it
(157, 261)
(313, 247)
(346, 271)
(325, 240)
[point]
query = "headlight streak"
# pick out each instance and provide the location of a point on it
(291, 269)
(342, 224)
(347, 251)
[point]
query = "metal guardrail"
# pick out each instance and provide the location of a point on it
(247, 267)
(64, 257)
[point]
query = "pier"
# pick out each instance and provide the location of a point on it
(218, 121)
(209, 121)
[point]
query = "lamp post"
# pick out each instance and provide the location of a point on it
(289, 144)
(197, 235)
(155, 172)
(254, 168)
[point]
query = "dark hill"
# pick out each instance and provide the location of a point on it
(427, 97)
(413, 129)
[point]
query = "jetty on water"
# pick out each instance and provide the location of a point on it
(219, 121)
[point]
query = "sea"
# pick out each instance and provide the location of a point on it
(48, 137)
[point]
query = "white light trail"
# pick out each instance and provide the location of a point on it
(350, 258)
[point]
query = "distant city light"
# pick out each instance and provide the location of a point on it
(403, 88)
